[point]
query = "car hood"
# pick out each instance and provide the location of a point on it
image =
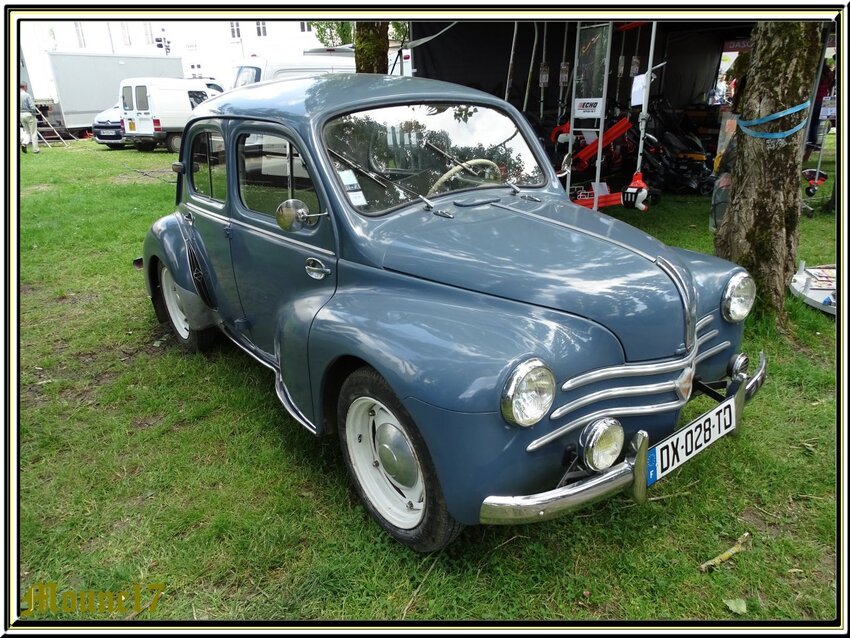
(551, 254)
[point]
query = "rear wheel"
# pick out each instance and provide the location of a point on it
(173, 142)
(170, 296)
(390, 464)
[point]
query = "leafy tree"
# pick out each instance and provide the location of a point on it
(760, 230)
(332, 33)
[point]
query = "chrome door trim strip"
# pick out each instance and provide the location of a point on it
(258, 231)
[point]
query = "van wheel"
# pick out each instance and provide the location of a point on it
(173, 142)
(145, 147)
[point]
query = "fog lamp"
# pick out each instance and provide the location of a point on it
(602, 441)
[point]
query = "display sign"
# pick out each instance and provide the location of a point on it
(588, 107)
(828, 108)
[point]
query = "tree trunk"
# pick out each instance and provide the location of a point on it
(371, 46)
(760, 230)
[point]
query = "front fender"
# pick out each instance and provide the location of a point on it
(448, 347)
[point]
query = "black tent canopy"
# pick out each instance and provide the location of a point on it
(477, 54)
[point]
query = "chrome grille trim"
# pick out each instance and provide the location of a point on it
(688, 302)
(640, 370)
(613, 412)
(702, 356)
(627, 391)
(693, 357)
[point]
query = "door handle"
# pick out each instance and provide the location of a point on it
(316, 269)
(189, 217)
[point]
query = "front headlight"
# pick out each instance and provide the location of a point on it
(738, 297)
(528, 394)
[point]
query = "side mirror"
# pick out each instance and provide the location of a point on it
(294, 211)
(178, 167)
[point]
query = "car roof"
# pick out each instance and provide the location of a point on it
(315, 97)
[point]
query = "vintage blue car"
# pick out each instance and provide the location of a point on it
(401, 255)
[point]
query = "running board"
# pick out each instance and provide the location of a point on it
(279, 386)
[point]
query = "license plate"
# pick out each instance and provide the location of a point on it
(108, 133)
(132, 125)
(686, 443)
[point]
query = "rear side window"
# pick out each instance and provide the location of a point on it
(127, 98)
(142, 98)
(209, 171)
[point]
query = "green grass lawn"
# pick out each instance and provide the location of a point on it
(140, 464)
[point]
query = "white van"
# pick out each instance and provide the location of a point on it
(256, 69)
(155, 110)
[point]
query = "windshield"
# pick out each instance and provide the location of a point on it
(390, 156)
(243, 75)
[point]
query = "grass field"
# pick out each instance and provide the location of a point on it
(142, 465)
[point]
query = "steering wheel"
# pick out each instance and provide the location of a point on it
(455, 169)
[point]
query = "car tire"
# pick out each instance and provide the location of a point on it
(390, 466)
(173, 142)
(190, 339)
(115, 147)
(145, 147)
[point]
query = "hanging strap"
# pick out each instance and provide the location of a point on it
(744, 126)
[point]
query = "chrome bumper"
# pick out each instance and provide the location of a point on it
(630, 475)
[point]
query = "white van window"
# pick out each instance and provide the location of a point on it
(271, 170)
(196, 97)
(127, 98)
(142, 98)
(246, 75)
(209, 171)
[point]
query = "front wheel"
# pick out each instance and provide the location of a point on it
(170, 296)
(390, 465)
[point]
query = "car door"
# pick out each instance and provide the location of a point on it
(204, 205)
(284, 277)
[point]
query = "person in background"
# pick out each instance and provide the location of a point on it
(28, 119)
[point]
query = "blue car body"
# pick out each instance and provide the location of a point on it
(444, 303)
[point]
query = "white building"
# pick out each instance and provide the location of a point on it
(207, 48)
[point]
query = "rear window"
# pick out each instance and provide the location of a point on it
(142, 98)
(127, 98)
(196, 97)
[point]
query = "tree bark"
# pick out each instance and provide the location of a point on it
(371, 46)
(760, 230)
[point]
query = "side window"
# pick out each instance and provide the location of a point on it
(209, 170)
(271, 171)
(127, 98)
(196, 97)
(142, 98)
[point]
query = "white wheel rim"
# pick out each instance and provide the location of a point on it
(174, 304)
(403, 505)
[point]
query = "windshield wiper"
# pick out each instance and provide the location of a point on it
(451, 158)
(363, 171)
(380, 181)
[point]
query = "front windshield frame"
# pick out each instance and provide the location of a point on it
(532, 144)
